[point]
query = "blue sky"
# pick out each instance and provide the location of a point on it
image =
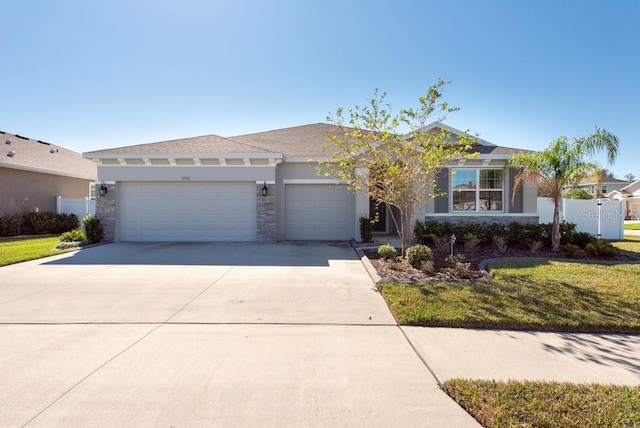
(88, 74)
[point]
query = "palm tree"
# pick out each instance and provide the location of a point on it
(599, 174)
(562, 164)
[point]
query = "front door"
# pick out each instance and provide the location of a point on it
(378, 210)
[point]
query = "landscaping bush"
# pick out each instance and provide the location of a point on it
(428, 266)
(534, 245)
(65, 222)
(441, 243)
(93, 229)
(572, 251)
(471, 243)
(387, 251)
(366, 229)
(418, 254)
(37, 223)
(500, 243)
(581, 239)
(601, 248)
(514, 234)
(75, 235)
(9, 225)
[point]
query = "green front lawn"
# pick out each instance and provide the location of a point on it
(23, 249)
(546, 404)
(632, 226)
(528, 294)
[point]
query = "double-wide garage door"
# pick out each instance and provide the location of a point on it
(318, 212)
(187, 211)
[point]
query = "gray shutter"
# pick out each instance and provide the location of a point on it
(441, 203)
(516, 202)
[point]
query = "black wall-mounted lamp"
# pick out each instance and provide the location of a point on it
(265, 190)
(103, 189)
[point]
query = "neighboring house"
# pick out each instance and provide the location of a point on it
(608, 185)
(264, 187)
(33, 173)
(630, 195)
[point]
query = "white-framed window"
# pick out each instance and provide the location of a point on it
(477, 189)
(92, 190)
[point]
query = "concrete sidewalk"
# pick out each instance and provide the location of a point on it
(519, 355)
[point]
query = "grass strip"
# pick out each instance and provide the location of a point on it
(21, 250)
(527, 294)
(546, 404)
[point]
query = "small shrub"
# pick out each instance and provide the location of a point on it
(387, 251)
(534, 245)
(442, 243)
(581, 239)
(471, 243)
(454, 260)
(417, 254)
(602, 248)
(93, 229)
(500, 243)
(9, 225)
(65, 222)
(427, 266)
(462, 270)
(572, 251)
(75, 235)
(66, 245)
(366, 229)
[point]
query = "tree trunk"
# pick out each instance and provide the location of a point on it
(402, 230)
(555, 229)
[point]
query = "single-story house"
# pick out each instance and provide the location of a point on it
(630, 195)
(265, 187)
(33, 173)
(607, 185)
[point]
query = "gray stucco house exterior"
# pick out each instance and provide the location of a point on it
(264, 187)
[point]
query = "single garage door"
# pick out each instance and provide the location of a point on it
(318, 212)
(195, 211)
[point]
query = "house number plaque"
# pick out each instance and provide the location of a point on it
(186, 178)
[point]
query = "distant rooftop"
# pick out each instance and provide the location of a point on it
(19, 152)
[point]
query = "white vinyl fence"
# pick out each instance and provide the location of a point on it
(599, 217)
(80, 207)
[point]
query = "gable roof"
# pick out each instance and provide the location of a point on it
(205, 144)
(632, 188)
(439, 125)
(304, 141)
(298, 141)
(27, 154)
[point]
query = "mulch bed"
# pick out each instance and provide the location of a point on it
(401, 270)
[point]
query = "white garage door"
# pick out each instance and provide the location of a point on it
(167, 211)
(318, 212)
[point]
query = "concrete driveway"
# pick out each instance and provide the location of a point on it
(278, 334)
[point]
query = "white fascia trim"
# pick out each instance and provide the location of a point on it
(307, 159)
(265, 182)
(183, 156)
(44, 171)
(311, 181)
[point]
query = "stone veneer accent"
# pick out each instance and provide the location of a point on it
(506, 219)
(106, 211)
(266, 213)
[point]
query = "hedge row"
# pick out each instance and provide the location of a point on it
(37, 223)
(515, 233)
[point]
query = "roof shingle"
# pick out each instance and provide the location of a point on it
(45, 157)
